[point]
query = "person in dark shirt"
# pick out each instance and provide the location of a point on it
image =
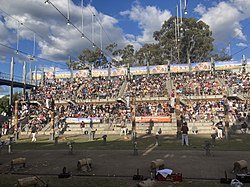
(184, 131)
(33, 132)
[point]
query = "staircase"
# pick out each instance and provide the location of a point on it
(123, 89)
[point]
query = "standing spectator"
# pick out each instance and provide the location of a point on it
(219, 127)
(184, 131)
(6, 127)
(123, 128)
(33, 131)
(83, 127)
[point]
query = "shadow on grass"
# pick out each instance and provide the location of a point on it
(114, 142)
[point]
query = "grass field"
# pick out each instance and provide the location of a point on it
(236, 143)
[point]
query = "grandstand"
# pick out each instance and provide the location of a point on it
(104, 102)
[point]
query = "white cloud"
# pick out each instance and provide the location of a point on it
(241, 44)
(224, 20)
(149, 18)
(200, 9)
(55, 40)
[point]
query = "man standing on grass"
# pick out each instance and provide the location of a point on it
(184, 137)
(33, 132)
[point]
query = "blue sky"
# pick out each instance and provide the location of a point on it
(123, 21)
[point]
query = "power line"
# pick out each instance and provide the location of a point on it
(25, 54)
(82, 34)
(98, 20)
(24, 25)
(240, 50)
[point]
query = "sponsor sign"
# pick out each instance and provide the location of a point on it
(175, 68)
(228, 65)
(158, 69)
(86, 120)
(144, 119)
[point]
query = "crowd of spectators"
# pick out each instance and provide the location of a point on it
(213, 110)
(148, 86)
(237, 82)
(100, 88)
(197, 83)
(154, 108)
(108, 113)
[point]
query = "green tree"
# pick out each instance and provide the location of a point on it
(221, 55)
(97, 58)
(128, 55)
(123, 56)
(194, 42)
(150, 54)
(74, 64)
(4, 104)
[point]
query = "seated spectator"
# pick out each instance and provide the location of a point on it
(244, 127)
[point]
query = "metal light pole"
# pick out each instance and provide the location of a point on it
(24, 77)
(11, 88)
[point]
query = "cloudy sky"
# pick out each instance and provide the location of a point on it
(120, 21)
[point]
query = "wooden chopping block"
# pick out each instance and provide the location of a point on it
(239, 165)
(84, 162)
(17, 161)
(157, 163)
(28, 181)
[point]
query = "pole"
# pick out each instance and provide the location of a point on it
(30, 73)
(11, 87)
(181, 10)
(24, 77)
(16, 120)
(226, 111)
(52, 125)
(177, 18)
(188, 60)
(148, 67)
(133, 105)
(36, 75)
(43, 77)
(178, 115)
(109, 70)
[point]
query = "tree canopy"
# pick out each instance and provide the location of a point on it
(193, 41)
(189, 41)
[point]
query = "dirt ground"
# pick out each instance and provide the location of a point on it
(192, 164)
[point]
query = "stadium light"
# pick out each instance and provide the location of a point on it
(185, 7)
(68, 22)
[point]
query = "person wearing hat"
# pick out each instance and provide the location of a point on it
(184, 131)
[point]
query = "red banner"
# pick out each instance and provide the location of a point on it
(157, 119)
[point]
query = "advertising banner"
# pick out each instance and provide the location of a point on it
(80, 73)
(175, 68)
(203, 66)
(223, 65)
(39, 75)
(49, 74)
(86, 120)
(100, 72)
(140, 70)
(118, 71)
(62, 75)
(158, 69)
(157, 119)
